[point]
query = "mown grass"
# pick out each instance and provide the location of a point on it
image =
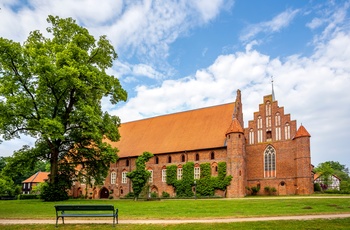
(188, 209)
(193, 209)
(282, 224)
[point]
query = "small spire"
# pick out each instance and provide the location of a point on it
(273, 92)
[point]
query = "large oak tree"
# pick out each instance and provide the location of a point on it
(51, 89)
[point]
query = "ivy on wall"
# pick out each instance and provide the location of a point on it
(206, 185)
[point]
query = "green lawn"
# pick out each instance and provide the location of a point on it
(194, 209)
(282, 224)
(188, 209)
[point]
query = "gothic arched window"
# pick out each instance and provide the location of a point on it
(270, 162)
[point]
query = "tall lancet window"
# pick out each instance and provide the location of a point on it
(260, 133)
(251, 136)
(278, 126)
(268, 114)
(269, 162)
(287, 131)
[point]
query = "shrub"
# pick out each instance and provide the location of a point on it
(165, 195)
(317, 187)
(28, 196)
(130, 195)
(154, 195)
(53, 192)
(253, 190)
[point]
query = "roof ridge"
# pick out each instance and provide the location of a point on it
(179, 112)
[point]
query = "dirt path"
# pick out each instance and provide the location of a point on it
(226, 220)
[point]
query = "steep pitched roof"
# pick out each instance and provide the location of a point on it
(302, 132)
(37, 177)
(190, 130)
(235, 127)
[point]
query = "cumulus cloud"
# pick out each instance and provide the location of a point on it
(314, 89)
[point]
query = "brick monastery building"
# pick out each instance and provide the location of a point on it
(271, 151)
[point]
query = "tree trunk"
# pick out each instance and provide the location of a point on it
(54, 166)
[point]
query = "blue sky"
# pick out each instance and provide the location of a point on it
(187, 54)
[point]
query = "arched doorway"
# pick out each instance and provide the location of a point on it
(104, 193)
(282, 188)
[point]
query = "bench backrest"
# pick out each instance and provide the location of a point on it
(68, 207)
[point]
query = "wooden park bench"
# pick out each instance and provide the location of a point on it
(86, 211)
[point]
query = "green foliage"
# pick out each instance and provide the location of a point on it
(22, 165)
(165, 195)
(270, 190)
(54, 192)
(28, 196)
(317, 187)
(7, 186)
(130, 195)
(140, 175)
(171, 175)
(205, 186)
(253, 190)
(52, 89)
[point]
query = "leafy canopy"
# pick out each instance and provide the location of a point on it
(51, 89)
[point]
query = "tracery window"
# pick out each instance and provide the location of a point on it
(269, 162)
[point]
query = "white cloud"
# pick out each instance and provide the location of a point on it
(314, 89)
(276, 24)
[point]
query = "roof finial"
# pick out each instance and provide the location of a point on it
(273, 92)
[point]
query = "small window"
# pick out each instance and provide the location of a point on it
(179, 173)
(113, 177)
(127, 162)
(156, 160)
(183, 158)
(124, 177)
(197, 172)
(169, 159)
(212, 155)
(163, 175)
(197, 157)
(269, 135)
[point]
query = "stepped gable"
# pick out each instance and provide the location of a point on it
(302, 132)
(190, 130)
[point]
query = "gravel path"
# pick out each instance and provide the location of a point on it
(226, 220)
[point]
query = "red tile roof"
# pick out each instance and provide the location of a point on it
(302, 132)
(190, 130)
(37, 177)
(235, 127)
